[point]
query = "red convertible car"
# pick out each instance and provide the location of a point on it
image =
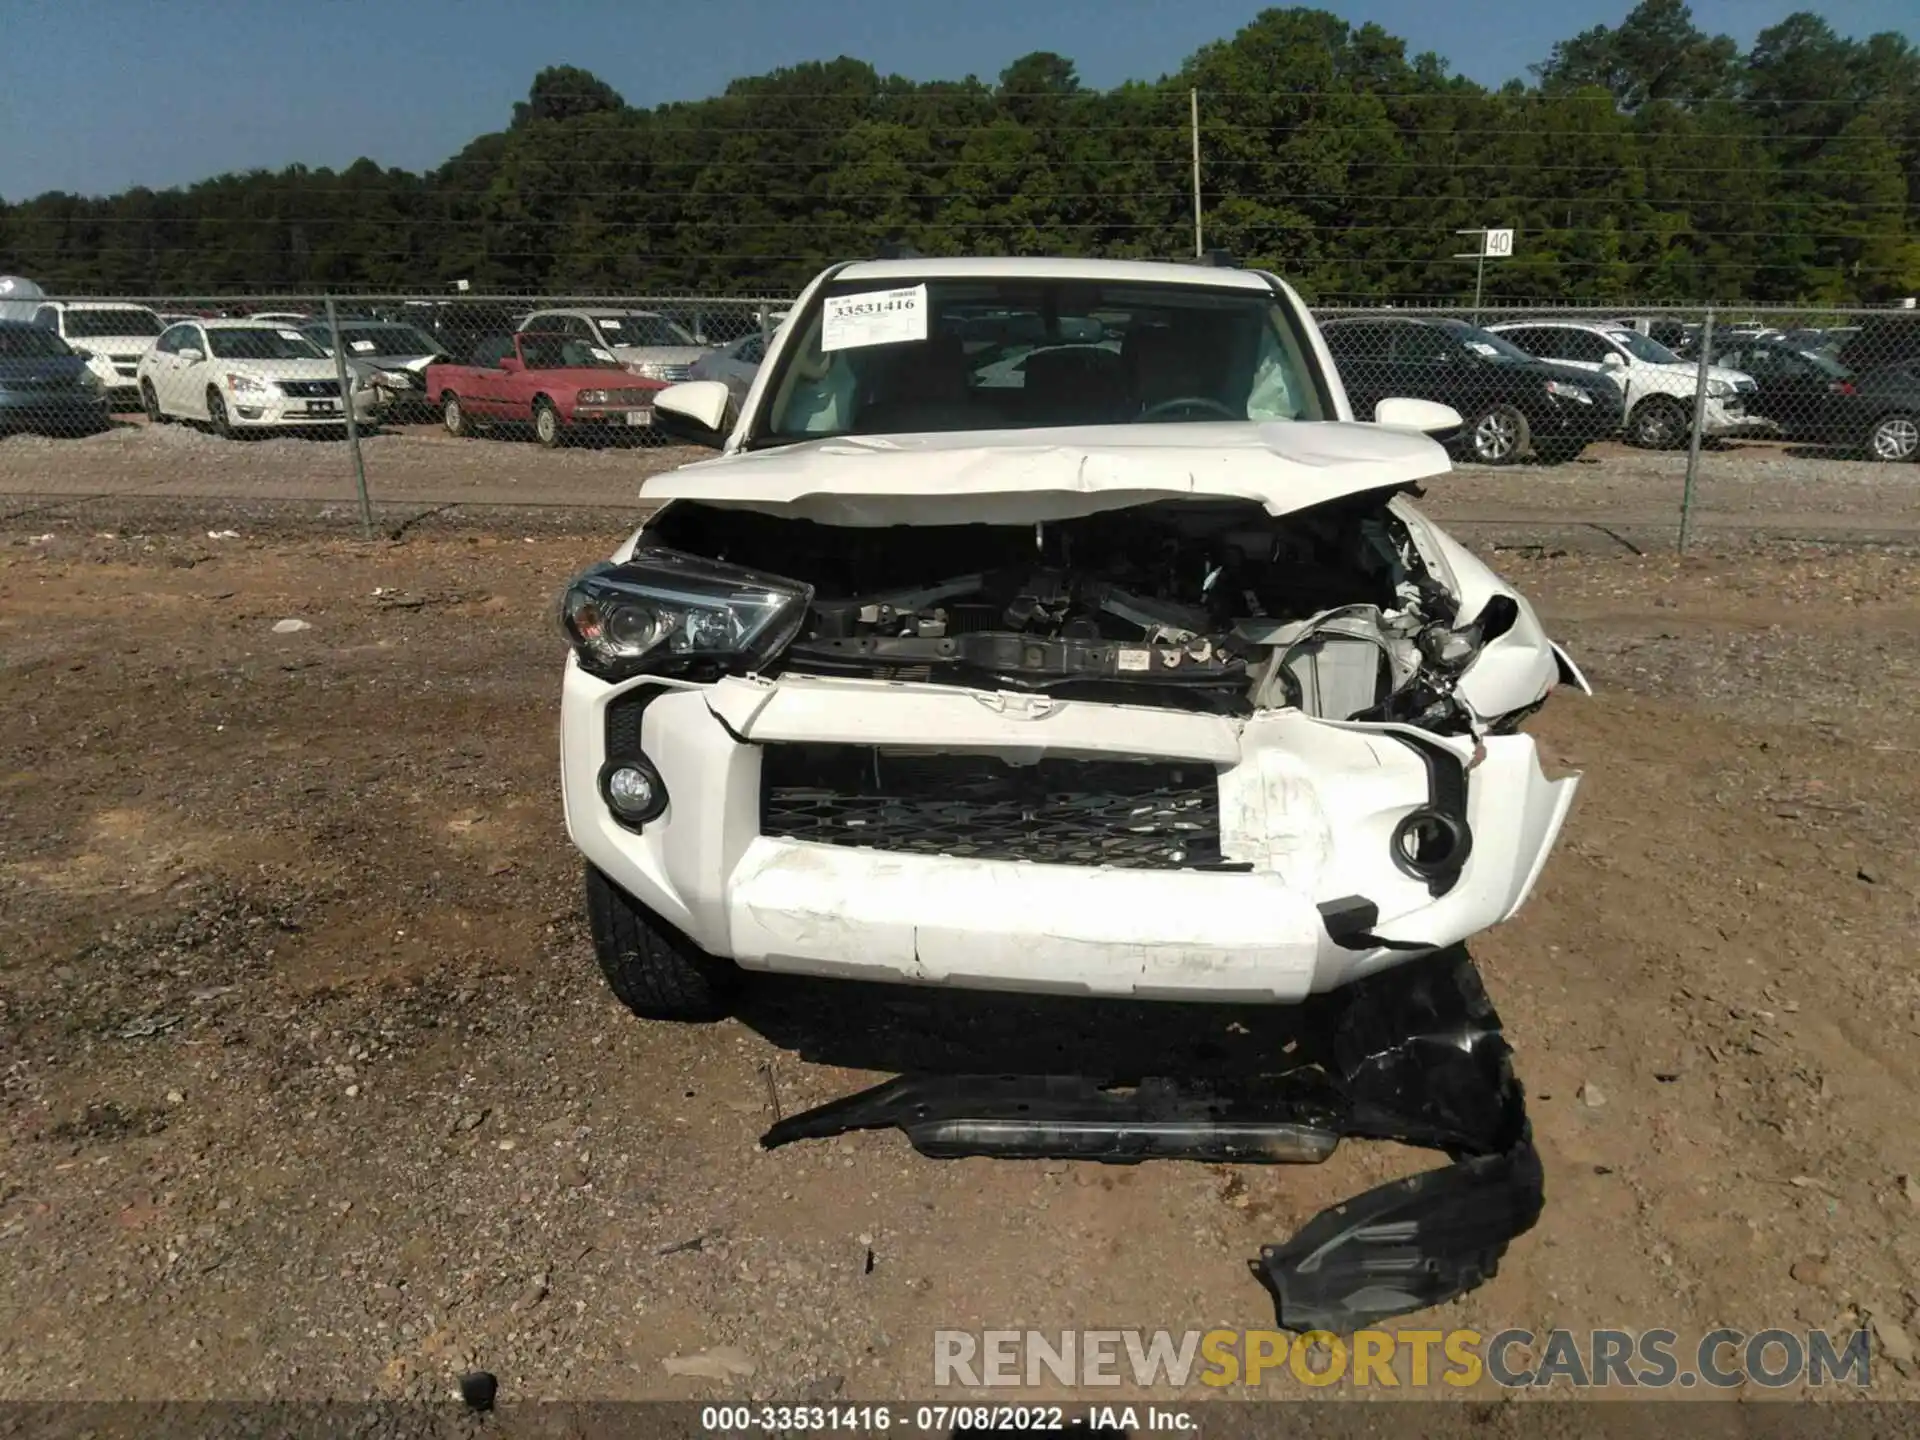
(555, 383)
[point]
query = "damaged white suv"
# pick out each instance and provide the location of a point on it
(1052, 625)
(1048, 625)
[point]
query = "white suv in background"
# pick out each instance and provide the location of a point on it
(112, 334)
(1657, 385)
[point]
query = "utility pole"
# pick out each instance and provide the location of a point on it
(1699, 424)
(1193, 103)
(353, 426)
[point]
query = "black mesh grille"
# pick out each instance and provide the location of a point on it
(309, 389)
(624, 713)
(1137, 815)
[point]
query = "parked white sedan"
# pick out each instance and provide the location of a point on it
(245, 375)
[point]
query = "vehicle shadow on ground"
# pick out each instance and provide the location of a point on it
(860, 1026)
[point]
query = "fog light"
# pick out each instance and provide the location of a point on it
(1431, 845)
(632, 789)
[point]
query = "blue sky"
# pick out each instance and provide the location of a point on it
(97, 95)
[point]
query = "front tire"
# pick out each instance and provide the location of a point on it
(1498, 435)
(1657, 423)
(454, 417)
(652, 969)
(1894, 438)
(150, 402)
(217, 415)
(546, 424)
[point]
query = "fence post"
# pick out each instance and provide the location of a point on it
(1699, 424)
(353, 426)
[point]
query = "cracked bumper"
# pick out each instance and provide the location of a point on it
(1306, 808)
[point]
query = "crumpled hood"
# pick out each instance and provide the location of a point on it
(1023, 476)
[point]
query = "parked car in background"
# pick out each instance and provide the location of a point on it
(393, 356)
(733, 365)
(1883, 354)
(646, 343)
(1882, 342)
(457, 326)
(1804, 393)
(281, 317)
(45, 385)
(558, 384)
(244, 376)
(1514, 403)
(110, 334)
(1656, 386)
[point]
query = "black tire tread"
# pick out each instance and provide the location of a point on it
(1684, 419)
(652, 969)
(1521, 445)
(541, 402)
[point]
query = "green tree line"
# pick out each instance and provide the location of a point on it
(1647, 161)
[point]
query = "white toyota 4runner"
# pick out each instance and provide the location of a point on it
(1052, 625)
(1138, 676)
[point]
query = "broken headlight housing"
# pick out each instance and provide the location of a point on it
(666, 613)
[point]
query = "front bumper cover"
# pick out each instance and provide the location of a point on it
(1414, 1054)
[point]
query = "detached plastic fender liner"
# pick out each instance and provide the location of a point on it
(1405, 1245)
(1412, 1054)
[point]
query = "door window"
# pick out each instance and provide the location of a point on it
(1579, 346)
(1421, 345)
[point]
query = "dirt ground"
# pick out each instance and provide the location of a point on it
(311, 1087)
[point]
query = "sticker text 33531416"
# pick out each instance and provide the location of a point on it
(874, 317)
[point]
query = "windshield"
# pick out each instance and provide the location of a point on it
(261, 344)
(30, 343)
(950, 355)
(563, 352)
(90, 324)
(637, 328)
(1485, 343)
(1823, 362)
(1641, 348)
(381, 340)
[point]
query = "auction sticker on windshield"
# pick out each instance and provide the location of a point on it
(874, 317)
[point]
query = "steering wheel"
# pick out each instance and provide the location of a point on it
(1203, 402)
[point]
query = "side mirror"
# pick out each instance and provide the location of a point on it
(1427, 416)
(1613, 360)
(189, 354)
(511, 362)
(694, 411)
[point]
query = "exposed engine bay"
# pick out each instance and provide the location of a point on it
(1206, 605)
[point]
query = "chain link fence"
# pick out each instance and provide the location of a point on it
(1536, 386)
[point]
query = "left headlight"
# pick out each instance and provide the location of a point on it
(394, 379)
(1719, 389)
(592, 397)
(664, 612)
(1562, 390)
